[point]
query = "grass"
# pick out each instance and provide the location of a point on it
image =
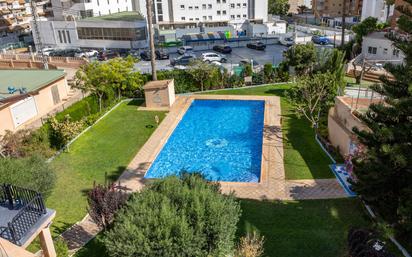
(352, 82)
(291, 228)
(303, 157)
(105, 149)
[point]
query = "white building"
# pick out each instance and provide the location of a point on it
(377, 9)
(106, 31)
(178, 17)
(376, 47)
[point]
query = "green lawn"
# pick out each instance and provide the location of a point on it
(105, 149)
(304, 159)
(310, 228)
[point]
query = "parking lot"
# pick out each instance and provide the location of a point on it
(272, 54)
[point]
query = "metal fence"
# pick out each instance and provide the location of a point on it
(30, 207)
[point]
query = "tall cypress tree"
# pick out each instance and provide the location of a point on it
(384, 170)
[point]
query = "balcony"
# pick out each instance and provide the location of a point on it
(23, 215)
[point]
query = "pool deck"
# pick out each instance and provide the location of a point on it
(272, 182)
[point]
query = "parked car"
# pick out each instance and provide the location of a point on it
(287, 41)
(321, 40)
(184, 49)
(106, 55)
(159, 54)
(213, 57)
(224, 49)
(255, 65)
(47, 51)
(256, 45)
(182, 60)
(86, 53)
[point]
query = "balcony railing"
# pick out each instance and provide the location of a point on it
(25, 207)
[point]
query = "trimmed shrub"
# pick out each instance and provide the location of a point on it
(184, 216)
(62, 132)
(30, 172)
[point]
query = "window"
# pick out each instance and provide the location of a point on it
(385, 51)
(204, 18)
(238, 16)
(196, 7)
(60, 36)
(238, 5)
(197, 19)
(64, 36)
(218, 13)
(98, 2)
(190, 19)
(224, 12)
(123, 34)
(244, 15)
(190, 7)
(244, 4)
(108, 2)
(182, 6)
(203, 6)
(232, 5)
(210, 17)
(118, 9)
(209, 6)
(218, 1)
(232, 16)
(68, 37)
(183, 18)
(372, 50)
(224, 1)
(395, 52)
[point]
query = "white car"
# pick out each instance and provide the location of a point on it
(47, 51)
(287, 41)
(213, 57)
(86, 53)
(184, 49)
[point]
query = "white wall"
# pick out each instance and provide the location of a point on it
(375, 8)
(384, 50)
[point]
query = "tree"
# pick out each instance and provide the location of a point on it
(122, 77)
(29, 172)
(149, 7)
(302, 8)
(279, 7)
(185, 216)
(104, 201)
(364, 28)
(383, 172)
(268, 73)
(313, 95)
(302, 57)
(201, 72)
(388, 7)
(94, 78)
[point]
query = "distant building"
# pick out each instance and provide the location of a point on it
(378, 48)
(294, 4)
(117, 30)
(377, 9)
(15, 17)
(334, 8)
(26, 95)
(396, 13)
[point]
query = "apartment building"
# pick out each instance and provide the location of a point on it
(15, 17)
(334, 8)
(376, 8)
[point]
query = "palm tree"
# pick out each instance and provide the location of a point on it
(149, 5)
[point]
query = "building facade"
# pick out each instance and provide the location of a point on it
(27, 95)
(377, 47)
(376, 8)
(334, 8)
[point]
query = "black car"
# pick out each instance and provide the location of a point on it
(160, 55)
(257, 46)
(182, 60)
(106, 55)
(222, 49)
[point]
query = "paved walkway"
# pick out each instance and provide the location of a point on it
(272, 185)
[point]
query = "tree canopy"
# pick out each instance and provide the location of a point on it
(184, 216)
(279, 7)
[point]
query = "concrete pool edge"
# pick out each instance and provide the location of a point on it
(272, 175)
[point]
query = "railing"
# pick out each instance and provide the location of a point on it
(30, 207)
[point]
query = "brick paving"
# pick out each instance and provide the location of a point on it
(272, 185)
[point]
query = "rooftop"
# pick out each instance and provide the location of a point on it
(26, 80)
(377, 35)
(120, 16)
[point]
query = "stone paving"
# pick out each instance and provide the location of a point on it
(272, 185)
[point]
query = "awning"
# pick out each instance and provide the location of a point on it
(212, 36)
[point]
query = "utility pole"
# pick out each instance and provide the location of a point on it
(151, 38)
(39, 45)
(342, 42)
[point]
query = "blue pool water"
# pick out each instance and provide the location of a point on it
(222, 139)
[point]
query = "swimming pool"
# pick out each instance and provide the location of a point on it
(222, 139)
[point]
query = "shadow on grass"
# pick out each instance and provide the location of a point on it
(111, 177)
(135, 102)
